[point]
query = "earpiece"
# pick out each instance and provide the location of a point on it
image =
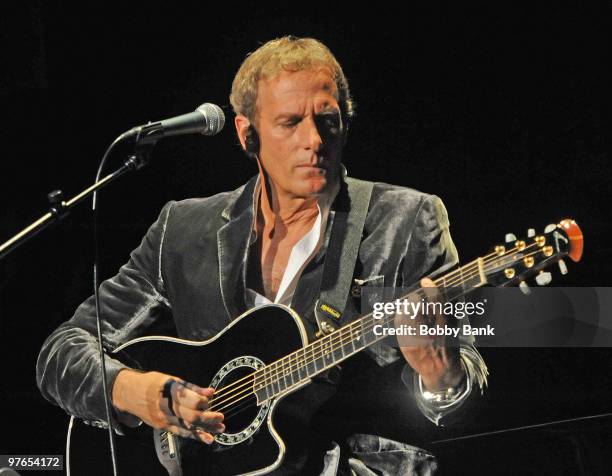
(345, 127)
(252, 143)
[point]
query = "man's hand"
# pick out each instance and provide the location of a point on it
(432, 357)
(145, 395)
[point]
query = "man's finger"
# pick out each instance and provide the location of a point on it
(215, 428)
(182, 432)
(211, 418)
(207, 392)
(434, 296)
(195, 434)
(184, 396)
(189, 418)
(430, 289)
(205, 436)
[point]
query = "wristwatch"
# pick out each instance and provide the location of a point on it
(447, 397)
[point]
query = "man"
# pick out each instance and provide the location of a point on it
(208, 260)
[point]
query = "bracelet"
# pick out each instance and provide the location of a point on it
(449, 395)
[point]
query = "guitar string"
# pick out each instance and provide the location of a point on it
(340, 334)
(342, 338)
(239, 408)
(459, 271)
(275, 373)
(469, 275)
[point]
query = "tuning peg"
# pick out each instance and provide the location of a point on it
(562, 267)
(549, 228)
(530, 233)
(543, 278)
(510, 238)
(524, 287)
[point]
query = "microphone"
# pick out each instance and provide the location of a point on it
(208, 120)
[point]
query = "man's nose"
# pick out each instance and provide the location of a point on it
(312, 138)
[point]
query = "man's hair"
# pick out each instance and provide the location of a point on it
(288, 53)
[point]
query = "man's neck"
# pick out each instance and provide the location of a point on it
(278, 208)
(282, 220)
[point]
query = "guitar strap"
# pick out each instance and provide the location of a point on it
(341, 255)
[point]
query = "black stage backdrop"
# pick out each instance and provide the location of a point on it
(499, 112)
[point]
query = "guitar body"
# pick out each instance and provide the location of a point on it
(250, 444)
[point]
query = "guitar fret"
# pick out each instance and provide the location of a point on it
(291, 369)
(327, 354)
(343, 342)
(317, 356)
(282, 375)
(368, 336)
(311, 367)
(276, 378)
(351, 338)
(302, 370)
(359, 336)
(287, 372)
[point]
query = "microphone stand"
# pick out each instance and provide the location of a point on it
(60, 209)
(140, 157)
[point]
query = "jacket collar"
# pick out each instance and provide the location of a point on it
(240, 200)
(233, 247)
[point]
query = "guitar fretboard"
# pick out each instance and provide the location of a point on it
(303, 364)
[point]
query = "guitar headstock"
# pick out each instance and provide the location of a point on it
(518, 259)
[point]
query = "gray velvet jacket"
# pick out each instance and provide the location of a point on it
(190, 271)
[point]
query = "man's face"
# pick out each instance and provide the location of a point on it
(300, 130)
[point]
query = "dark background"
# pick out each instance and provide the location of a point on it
(499, 112)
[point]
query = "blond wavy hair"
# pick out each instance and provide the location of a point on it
(288, 53)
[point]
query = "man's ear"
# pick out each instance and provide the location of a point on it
(242, 124)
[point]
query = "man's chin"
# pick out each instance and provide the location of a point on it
(318, 184)
(315, 181)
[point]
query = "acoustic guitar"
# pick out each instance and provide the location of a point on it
(264, 355)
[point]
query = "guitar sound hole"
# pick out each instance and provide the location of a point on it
(236, 400)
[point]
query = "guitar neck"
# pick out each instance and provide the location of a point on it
(300, 366)
(506, 265)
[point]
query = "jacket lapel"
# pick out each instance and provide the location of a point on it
(233, 246)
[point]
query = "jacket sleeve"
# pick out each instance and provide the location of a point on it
(68, 370)
(432, 253)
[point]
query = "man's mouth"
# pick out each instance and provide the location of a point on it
(313, 166)
(314, 170)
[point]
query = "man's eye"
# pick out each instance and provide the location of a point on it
(290, 122)
(331, 122)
